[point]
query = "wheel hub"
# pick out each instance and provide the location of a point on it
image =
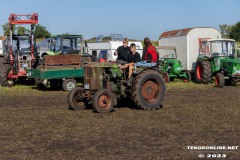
(104, 102)
(70, 85)
(149, 90)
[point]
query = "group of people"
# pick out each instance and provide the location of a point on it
(128, 57)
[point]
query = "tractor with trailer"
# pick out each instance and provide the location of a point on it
(105, 83)
(19, 50)
(171, 65)
(217, 58)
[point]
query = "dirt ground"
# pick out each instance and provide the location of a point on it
(38, 125)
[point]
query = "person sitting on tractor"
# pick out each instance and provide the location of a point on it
(134, 57)
(150, 55)
(123, 52)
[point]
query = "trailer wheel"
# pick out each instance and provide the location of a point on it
(76, 99)
(203, 72)
(4, 71)
(148, 90)
(103, 101)
(69, 84)
(219, 80)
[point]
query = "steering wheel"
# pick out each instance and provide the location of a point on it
(166, 56)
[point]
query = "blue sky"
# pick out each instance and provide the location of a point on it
(132, 18)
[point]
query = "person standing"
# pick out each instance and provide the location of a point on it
(123, 52)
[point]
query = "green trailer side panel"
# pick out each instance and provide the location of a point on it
(55, 74)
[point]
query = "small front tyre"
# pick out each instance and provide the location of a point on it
(103, 101)
(219, 80)
(76, 100)
(69, 84)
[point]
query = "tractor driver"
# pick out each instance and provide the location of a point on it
(123, 52)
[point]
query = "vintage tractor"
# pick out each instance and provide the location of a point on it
(105, 83)
(19, 51)
(171, 66)
(217, 58)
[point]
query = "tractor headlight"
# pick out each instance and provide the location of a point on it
(169, 67)
(234, 68)
(179, 68)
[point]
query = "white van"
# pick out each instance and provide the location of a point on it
(1, 47)
(107, 48)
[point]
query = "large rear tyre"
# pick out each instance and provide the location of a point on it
(4, 71)
(103, 101)
(148, 90)
(69, 84)
(76, 99)
(203, 72)
(219, 80)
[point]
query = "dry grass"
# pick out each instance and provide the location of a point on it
(37, 125)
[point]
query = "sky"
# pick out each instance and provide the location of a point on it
(135, 19)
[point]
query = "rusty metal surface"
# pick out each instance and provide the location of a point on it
(94, 77)
(173, 33)
(100, 64)
(150, 90)
(62, 61)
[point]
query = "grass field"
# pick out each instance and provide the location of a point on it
(38, 125)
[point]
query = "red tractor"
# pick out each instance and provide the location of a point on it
(19, 50)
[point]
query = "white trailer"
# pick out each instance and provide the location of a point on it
(187, 42)
(1, 47)
(99, 48)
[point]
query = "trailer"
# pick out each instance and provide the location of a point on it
(60, 71)
(105, 46)
(188, 42)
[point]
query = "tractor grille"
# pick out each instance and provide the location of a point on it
(24, 62)
(89, 72)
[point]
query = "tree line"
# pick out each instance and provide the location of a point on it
(227, 31)
(40, 31)
(230, 31)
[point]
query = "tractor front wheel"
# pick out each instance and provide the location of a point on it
(219, 80)
(76, 100)
(103, 101)
(166, 77)
(148, 90)
(189, 76)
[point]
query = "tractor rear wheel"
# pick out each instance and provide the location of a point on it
(76, 99)
(4, 71)
(203, 72)
(148, 90)
(69, 84)
(103, 101)
(219, 80)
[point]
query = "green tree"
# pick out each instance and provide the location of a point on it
(225, 30)
(6, 30)
(235, 32)
(22, 30)
(41, 32)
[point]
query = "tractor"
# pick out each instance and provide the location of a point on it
(61, 44)
(19, 51)
(105, 84)
(217, 58)
(172, 66)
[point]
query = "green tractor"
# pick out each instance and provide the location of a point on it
(217, 58)
(105, 83)
(172, 66)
